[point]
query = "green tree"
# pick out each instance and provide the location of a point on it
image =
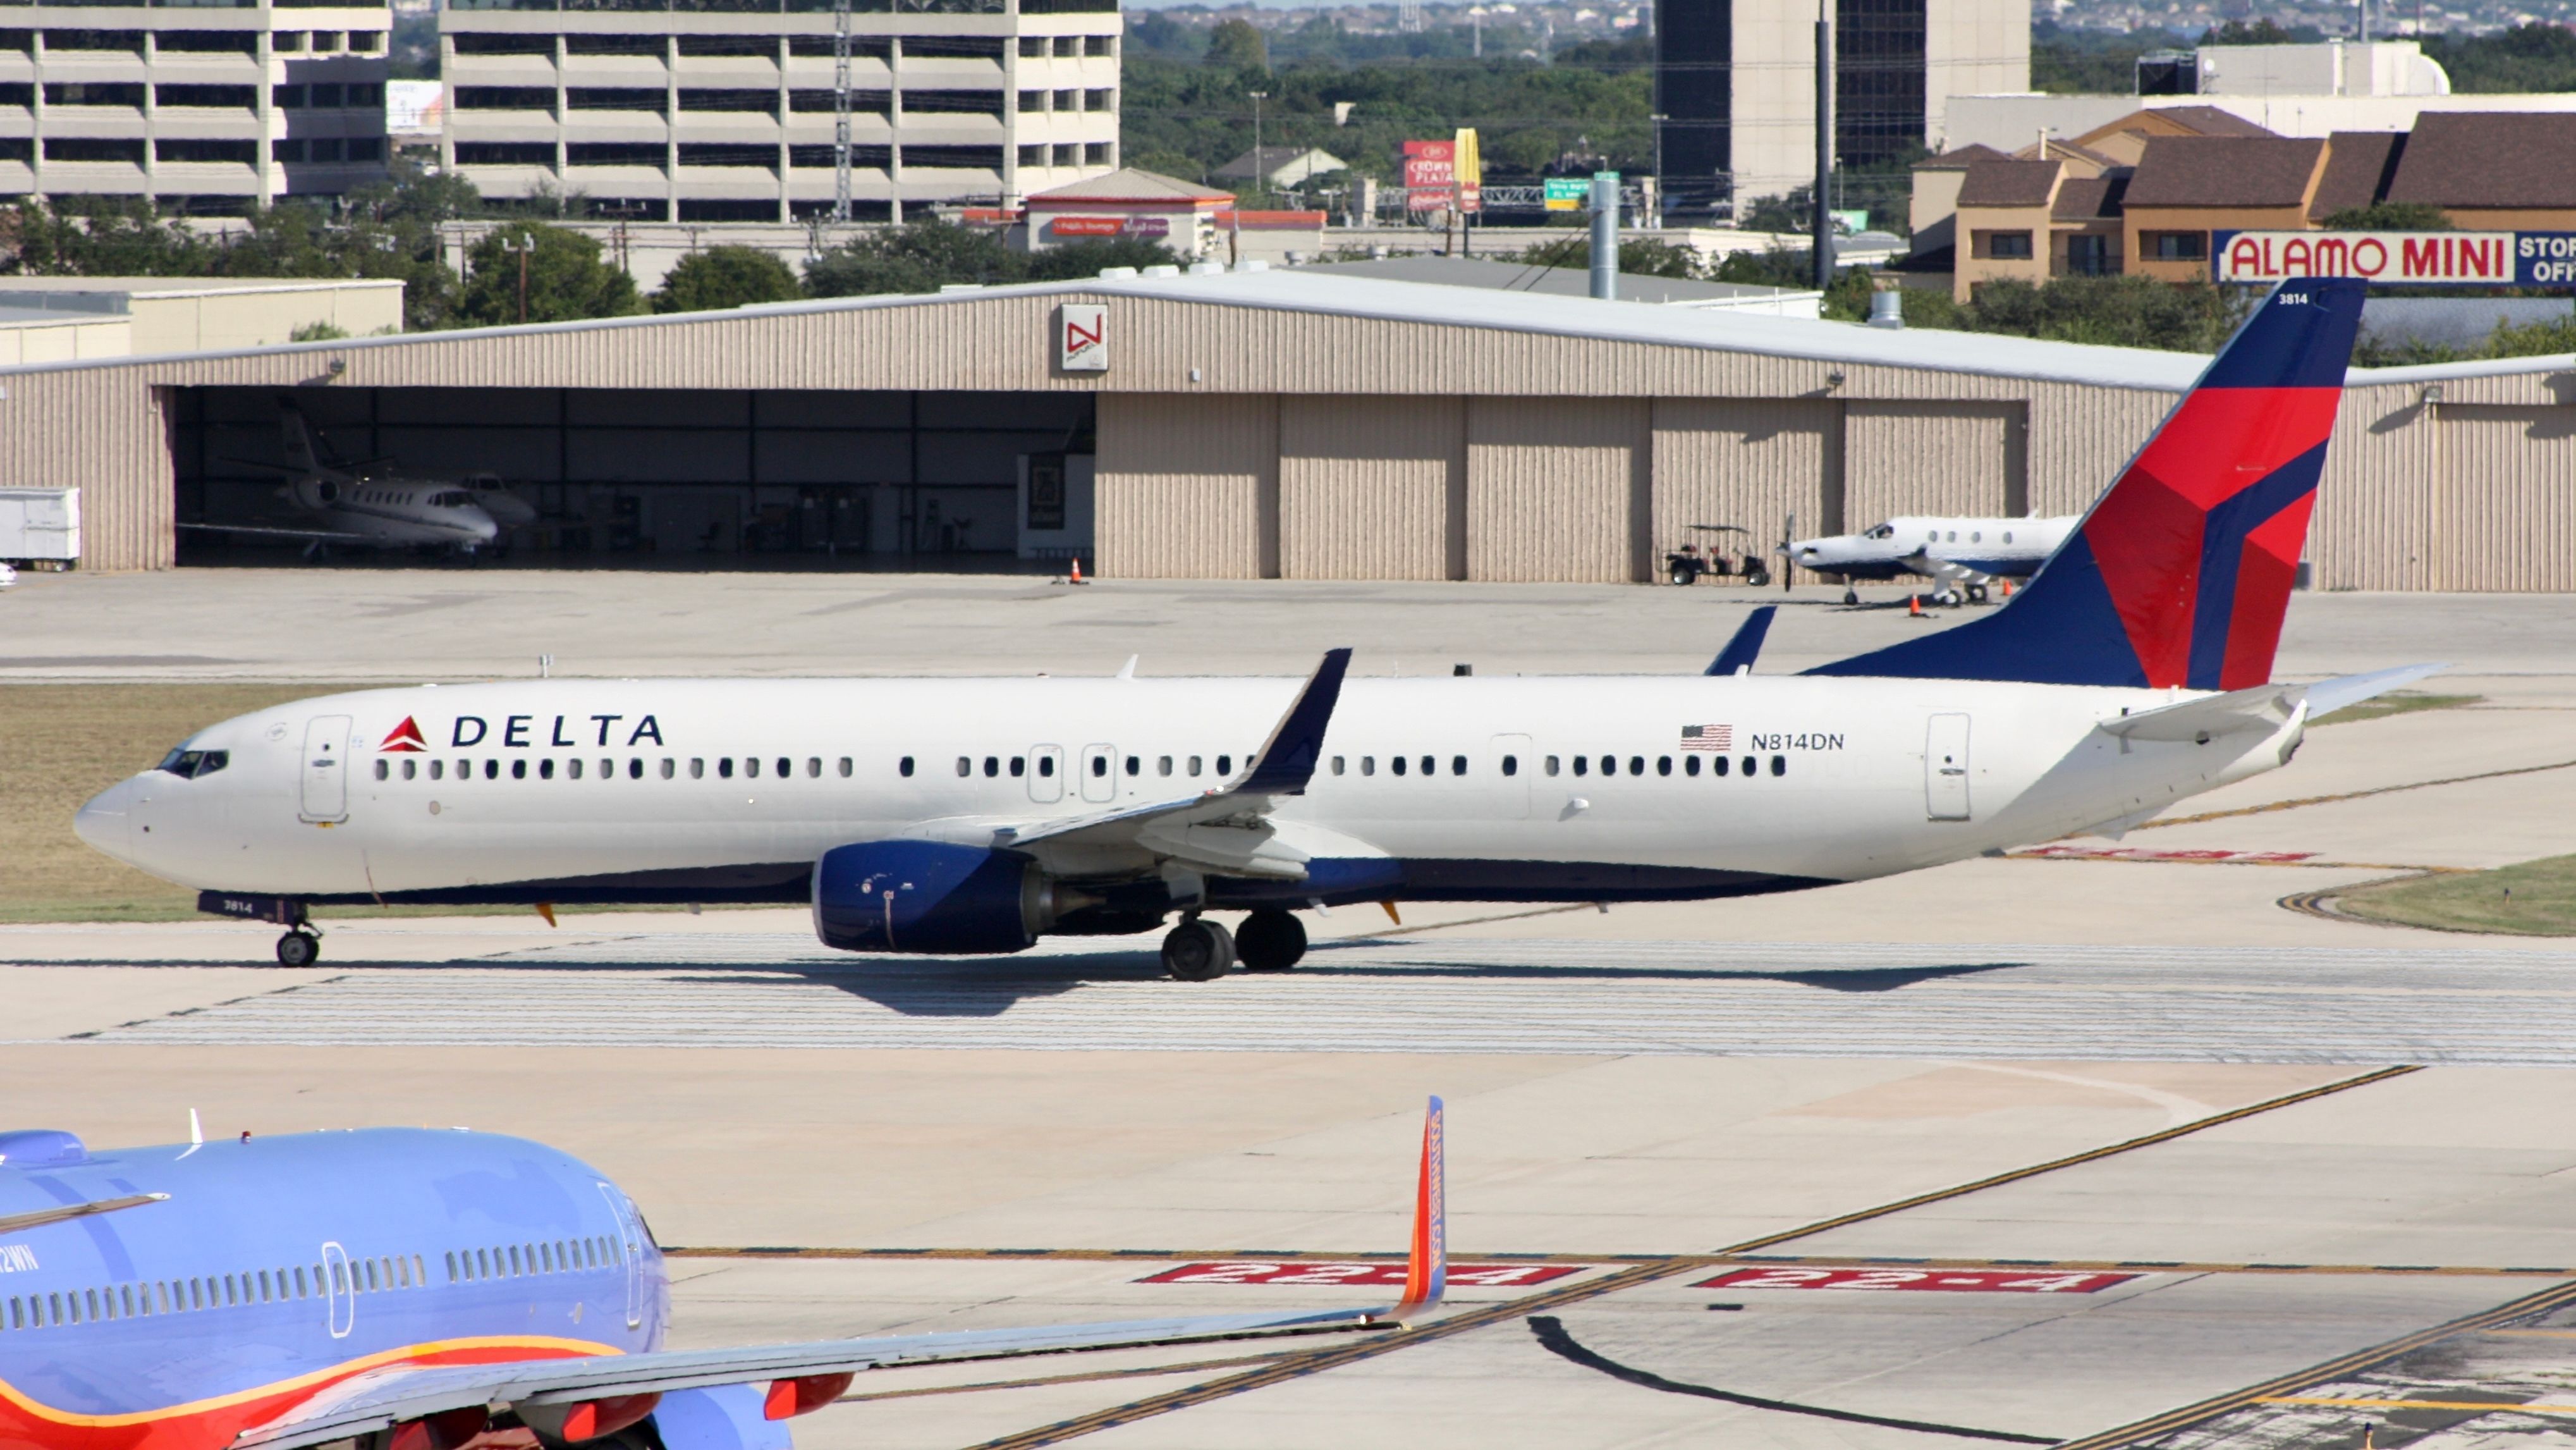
(2390, 216)
(1642, 257)
(2536, 57)
(1236, 44)
(920, 256)
(2240, 32)
(724, 277)
(2114, 311)
(76, 236)
(2538, 339)
(1077, 260)
(565, 278)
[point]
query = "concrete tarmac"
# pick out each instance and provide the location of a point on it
(2096, 1058)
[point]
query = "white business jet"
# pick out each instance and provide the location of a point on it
(1964, 556)
(979, 815)
(357, 511)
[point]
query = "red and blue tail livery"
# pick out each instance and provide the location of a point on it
(1426, 1269)
(2181, 574)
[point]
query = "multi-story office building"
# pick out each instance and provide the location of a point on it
(724, 110)
(209, 106)
(1736, 84)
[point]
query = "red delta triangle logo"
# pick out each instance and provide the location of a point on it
(405, 737)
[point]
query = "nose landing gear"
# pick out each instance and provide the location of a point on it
(299, 948)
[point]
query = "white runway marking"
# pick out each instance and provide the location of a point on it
(2460, 1005)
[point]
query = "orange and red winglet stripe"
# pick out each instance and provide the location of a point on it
(1426, 1270)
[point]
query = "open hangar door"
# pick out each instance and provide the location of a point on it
(650, 477)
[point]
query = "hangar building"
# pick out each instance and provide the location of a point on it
(1291, 424)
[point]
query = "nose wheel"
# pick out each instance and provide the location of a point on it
(298, 948)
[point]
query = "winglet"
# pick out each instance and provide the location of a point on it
(1287, 760)
(1740, 652)
(1426, 1270)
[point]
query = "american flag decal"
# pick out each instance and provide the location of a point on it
(1708, 737)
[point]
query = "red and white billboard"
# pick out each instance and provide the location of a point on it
(1431, 178)
(2458, 258)
(1383, 1272)
(1955, 1281)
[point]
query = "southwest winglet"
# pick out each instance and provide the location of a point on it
(1287, 760)
(1740, 652)
(1426, 1269)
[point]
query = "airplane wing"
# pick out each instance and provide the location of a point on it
(1949, 574)
(1226, 829)
(17, 1222)
(324, 534)
(796, 1372)
(557, 1394)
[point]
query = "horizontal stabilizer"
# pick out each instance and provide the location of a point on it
(2265, 707)
(2327, 696)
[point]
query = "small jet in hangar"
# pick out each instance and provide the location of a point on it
(350, 508)
(1964, 556)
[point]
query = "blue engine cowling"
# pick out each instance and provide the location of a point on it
(929, 897)
(719, 1417)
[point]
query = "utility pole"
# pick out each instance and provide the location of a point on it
(1659, 118)
(1260, 171)
(1823, 219)
(527, 243)
(841, 113)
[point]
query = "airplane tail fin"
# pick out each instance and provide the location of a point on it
(1426, 1269)
(297, 437)
(2181, 574)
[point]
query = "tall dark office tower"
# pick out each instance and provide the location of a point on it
(1695, 94)
(1878, 79)
(1735, 80)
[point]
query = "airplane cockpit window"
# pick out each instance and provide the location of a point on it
(189, 764)
(1883, 531)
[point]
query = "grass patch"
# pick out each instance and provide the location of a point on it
(62, 744)
(2401, 702)
(2531, 898)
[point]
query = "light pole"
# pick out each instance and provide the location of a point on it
(1659, 118)
(525, 244)
(1260, 181)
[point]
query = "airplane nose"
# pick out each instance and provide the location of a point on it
(106, 821)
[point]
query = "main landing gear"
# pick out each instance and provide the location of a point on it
(1270, 941)
(1198, 950)
(299, 948)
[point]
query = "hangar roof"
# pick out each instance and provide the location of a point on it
(1319, 291)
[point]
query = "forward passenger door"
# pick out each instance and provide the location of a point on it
(326, 769)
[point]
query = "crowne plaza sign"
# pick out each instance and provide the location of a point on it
(2456, 259)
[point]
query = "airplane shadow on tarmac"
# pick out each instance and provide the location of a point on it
(987, 988)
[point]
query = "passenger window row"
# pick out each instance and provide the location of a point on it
(213, 1291)
(513, 1261)
(1019, 765)
(1427, 765)
(1718, 765)
(782, 768)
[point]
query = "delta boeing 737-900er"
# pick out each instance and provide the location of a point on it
(979, 815)
(410, 1289)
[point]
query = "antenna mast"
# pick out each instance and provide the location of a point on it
(841, 111)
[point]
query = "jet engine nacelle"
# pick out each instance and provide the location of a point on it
(930, 897)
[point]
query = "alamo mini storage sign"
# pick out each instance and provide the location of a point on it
(2420, 259)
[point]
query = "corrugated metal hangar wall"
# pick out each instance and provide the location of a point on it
(1246, 436)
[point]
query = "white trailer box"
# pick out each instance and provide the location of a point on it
(40, 525)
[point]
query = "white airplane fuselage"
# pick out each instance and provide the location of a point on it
(640, 790)
(397, 512)
(2010, 548)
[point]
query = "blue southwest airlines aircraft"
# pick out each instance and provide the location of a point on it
(407, 1289)
(978, 815)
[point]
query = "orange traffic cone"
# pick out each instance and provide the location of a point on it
(2007, 588)
(1077, 571)
(1914, 606)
